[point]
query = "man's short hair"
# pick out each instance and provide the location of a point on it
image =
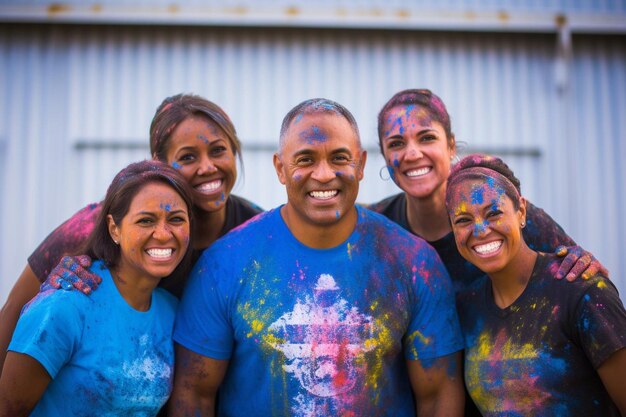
(317, 106)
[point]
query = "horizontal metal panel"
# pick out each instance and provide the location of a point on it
(294, 6)
(515, 16)
(77, 102)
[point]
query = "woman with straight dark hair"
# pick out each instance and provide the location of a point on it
(110, 352)
(189, 133)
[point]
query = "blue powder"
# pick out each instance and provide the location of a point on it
(313, 135)
(476, 196)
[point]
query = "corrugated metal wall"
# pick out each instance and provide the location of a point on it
(76, 103)
(382, 5)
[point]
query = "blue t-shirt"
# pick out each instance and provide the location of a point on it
(318, 332)
(105, 358)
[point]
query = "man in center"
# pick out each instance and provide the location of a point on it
(318, 307)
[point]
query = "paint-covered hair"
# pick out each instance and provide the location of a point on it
(421, 97)
(318, 106)
(120, 194)
(481, 166)
(176, 109)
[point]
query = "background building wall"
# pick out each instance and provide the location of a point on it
(76, 101)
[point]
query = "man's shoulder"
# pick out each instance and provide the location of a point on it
(254, 230)
(395, 238)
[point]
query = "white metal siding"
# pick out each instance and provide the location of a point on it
(373, 6)
(451, 15)
(66, 90)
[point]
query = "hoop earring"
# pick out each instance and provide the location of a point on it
(380, 173)
(454, 159)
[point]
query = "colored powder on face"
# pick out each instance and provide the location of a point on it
(220, 200)
(213, 129)
(313, 135)
(337, 213)
(491, 183)
(176, 165)
(461, 208)
(394, 121)
(392, 173)
(480, 227)
(338, 173)
(203, 138)
(297, 177)
(424, 117)
(166, 207)
(396, 162)
(408, 110)
(476, 196)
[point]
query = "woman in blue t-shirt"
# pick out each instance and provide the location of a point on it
(534, 345)
(188, 132)
(112, 351)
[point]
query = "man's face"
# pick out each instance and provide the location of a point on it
(320, 163)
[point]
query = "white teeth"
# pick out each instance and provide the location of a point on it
(160, 253)
(488, 247)
(208, 187)
(418, 172)
(323, 195)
